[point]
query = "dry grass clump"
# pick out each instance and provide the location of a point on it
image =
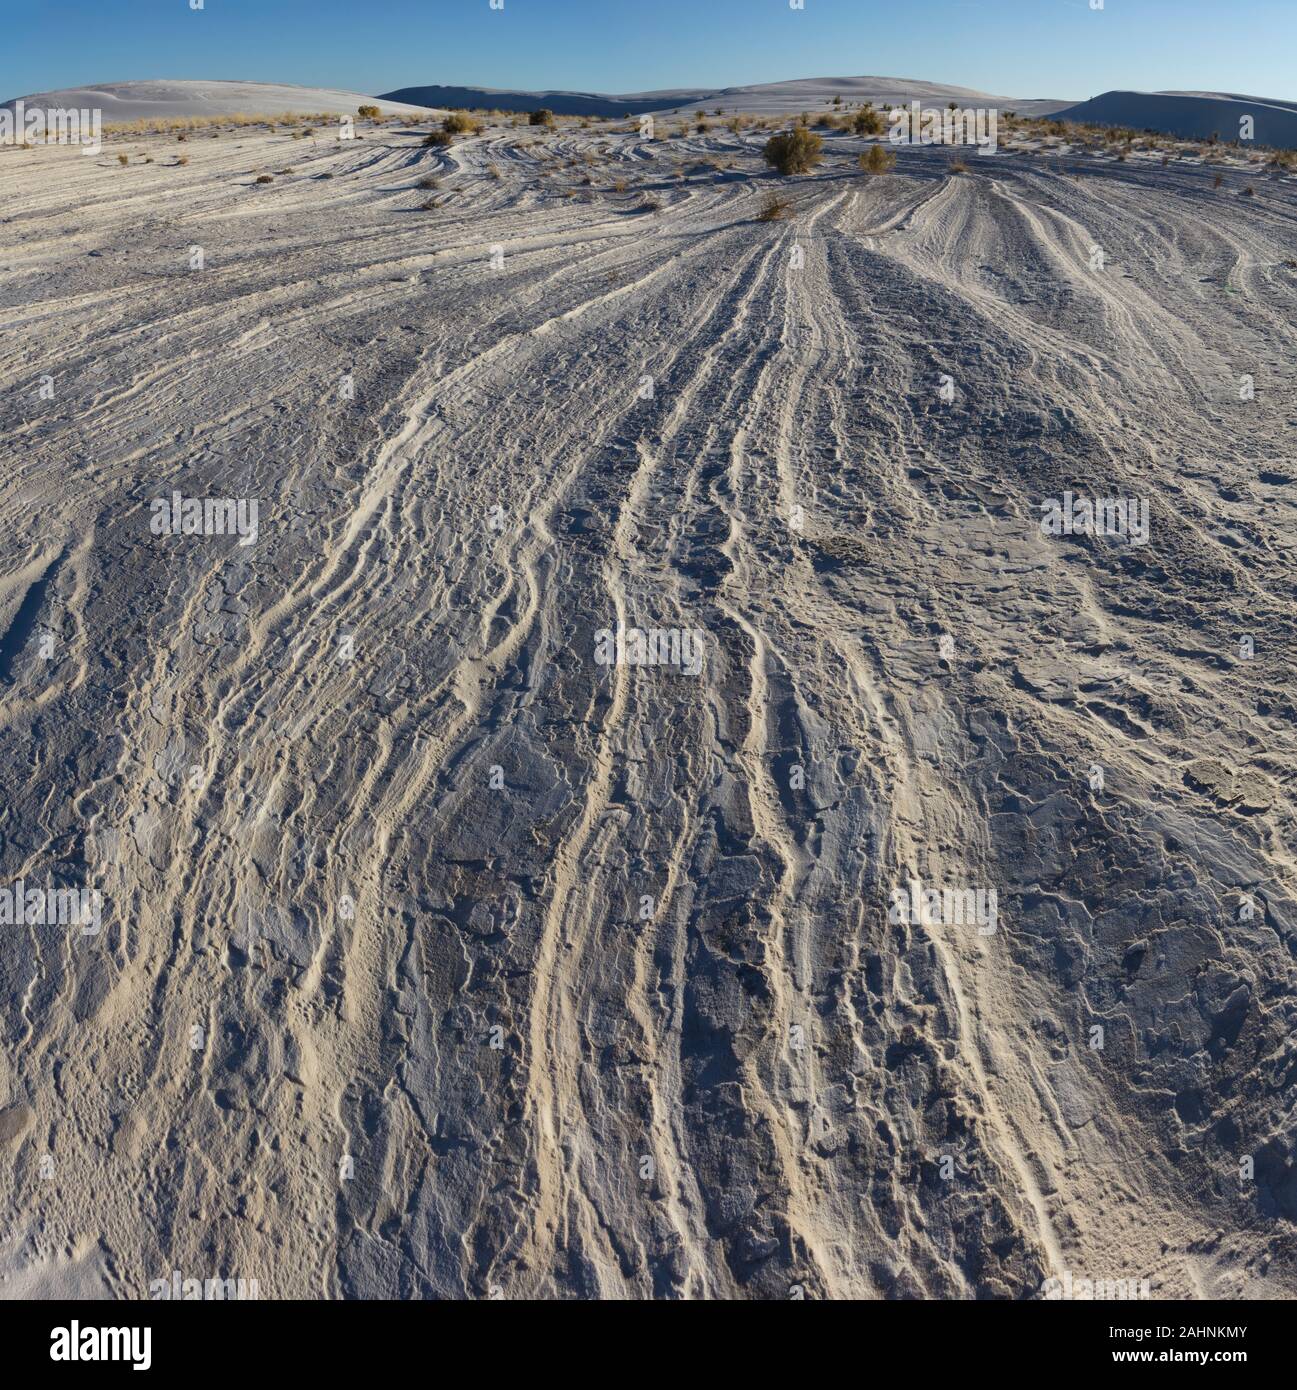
(957, 166)
(170, 125)
(123, 159)
(460, 123)
(867, 121)
(543, 116)
(439, 137)
(774, 208)
(430, 181)
(265, 178)
(368, 113)
(877, 160)
(795, 151)
(429, 205)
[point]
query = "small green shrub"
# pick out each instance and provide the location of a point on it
(877, 160)
(795, 151)
(774, 208)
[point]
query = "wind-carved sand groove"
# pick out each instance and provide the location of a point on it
(367, 814)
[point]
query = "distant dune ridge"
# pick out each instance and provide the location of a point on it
(771, 98)
(163, 99)
(1193, 115)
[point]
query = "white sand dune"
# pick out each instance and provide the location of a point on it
(134, 101)
(439, 958)
(814, 93)
(772, 98)
(1193, 115)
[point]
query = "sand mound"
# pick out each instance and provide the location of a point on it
(160, 100)
(1193, 115)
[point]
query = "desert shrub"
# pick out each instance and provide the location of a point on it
(957, 166)
(1249, 192)
(429, 205)
(1217, 181)
(619, 186)
(123, 159)
(265, 178)
(439, 137)
(867, 121)
(460, 123)
(543, 116)
(795, 151)
(774, 208)
(430, 181)
(368, 113)
(877, 160)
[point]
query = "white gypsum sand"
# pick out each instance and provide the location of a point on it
(588, 968)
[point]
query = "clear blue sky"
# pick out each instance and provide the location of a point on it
(1023, 48)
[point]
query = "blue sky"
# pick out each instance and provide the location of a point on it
(1023, 48)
